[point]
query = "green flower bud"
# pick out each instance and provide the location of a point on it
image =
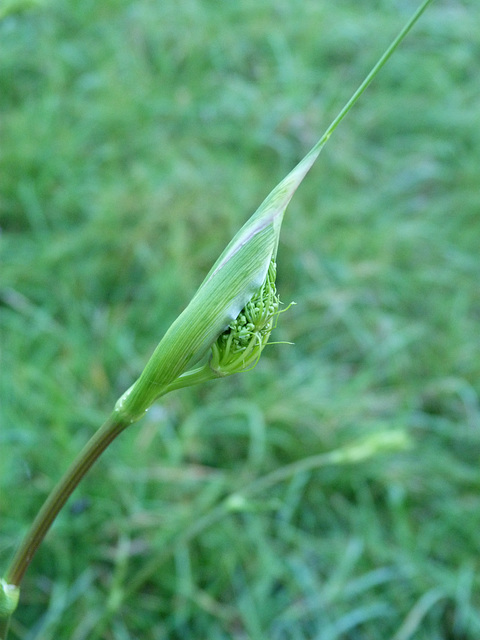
(241, 274)
(239, 347)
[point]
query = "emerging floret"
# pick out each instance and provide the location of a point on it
(239, 347)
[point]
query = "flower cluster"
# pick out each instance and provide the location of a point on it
(239, 347)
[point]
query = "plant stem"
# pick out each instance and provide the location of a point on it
(60, 494)
(381, 62)
(318, 146)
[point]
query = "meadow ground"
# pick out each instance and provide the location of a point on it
(136, 137)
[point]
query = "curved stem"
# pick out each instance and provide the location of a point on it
(60, 494)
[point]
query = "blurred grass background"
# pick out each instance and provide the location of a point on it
(136, 138)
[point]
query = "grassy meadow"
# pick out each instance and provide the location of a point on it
(333, 493)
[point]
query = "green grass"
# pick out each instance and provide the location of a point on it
(136, 138)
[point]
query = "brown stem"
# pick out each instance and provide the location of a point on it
(60, 494)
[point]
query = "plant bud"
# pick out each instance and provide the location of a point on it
(239, 347)
(240, 275)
